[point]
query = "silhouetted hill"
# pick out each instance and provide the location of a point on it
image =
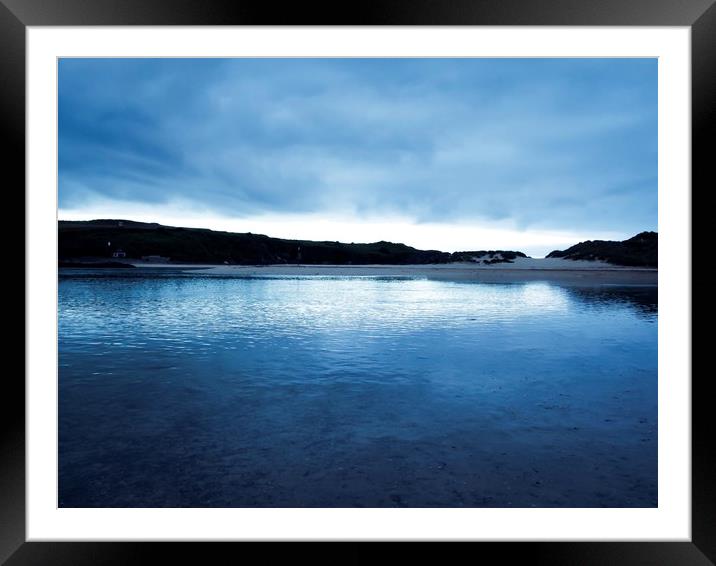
(136, 240)
(639, 251)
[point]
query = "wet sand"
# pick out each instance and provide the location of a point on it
(523, 269)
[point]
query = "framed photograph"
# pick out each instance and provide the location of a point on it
(419, 275)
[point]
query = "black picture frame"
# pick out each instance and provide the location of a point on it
(16, 15)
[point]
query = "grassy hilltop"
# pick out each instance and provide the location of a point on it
(639, 251)
(78, 240)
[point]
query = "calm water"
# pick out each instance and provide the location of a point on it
(183, 390)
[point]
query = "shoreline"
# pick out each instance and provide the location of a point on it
(590, 274)
(556, 270)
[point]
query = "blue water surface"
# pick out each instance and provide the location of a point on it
(178, 389)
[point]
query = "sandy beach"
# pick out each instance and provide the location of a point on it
(523, 269)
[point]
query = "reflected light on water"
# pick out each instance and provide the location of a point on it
(185, 390)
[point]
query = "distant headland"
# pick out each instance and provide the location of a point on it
(640, 251)
(108, 242)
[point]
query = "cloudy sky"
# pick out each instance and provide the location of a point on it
(449, 154)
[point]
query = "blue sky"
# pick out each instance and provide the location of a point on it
(529, 154)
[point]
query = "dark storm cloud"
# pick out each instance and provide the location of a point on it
(548, 143)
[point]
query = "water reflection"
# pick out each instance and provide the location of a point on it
(644, 300)
(200, 391)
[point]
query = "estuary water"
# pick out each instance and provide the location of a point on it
(178, 389)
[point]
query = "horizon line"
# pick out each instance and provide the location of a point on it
(309, 240)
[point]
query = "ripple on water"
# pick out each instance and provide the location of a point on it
(187, 390)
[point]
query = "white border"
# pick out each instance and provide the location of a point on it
(670, 521)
